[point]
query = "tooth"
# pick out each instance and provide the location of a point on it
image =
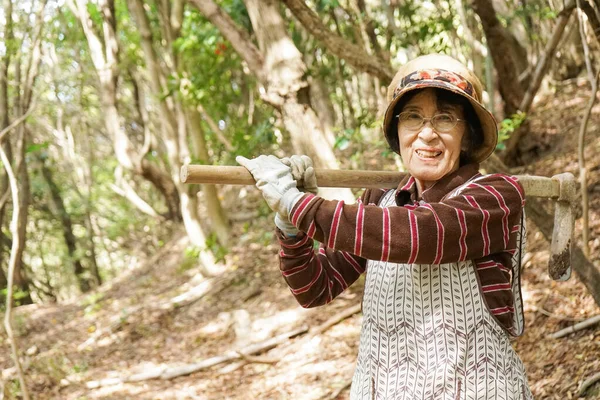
(426, 153)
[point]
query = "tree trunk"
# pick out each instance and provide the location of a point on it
(23, 214)
(220, 224)
(499, 41)
(105, 60)
(173, 119)
(16, 248)
(90, 234)
(283, 73)
(320, 99)
(518, 34)
(67, 228)
(511, 153)
(321, 103)
(4, 64)
(570, 60)
(4, 112)
(24, 90)
(288, 89)
(593, 17)
(3, 283)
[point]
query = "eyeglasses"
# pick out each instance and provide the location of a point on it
(443, 122)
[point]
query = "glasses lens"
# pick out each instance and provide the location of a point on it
(411, 120)
(443, 122)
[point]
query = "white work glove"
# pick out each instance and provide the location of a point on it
(302, 171)
(275, 181)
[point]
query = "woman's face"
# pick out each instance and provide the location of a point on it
(427, 154)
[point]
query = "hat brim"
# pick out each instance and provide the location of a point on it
(486, 119)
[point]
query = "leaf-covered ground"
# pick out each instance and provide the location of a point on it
(144, 320)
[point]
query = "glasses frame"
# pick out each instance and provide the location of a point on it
(431, 120)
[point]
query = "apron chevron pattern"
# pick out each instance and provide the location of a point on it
(427, 335)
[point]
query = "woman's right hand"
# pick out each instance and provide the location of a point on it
(303, 172)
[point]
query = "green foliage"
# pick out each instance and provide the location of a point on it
(192, 253)
(37, 147)
(267, 238)
(212, 244)
(347, 136)
(18, 295)
(536, 10)
(189, 261)
(508, 126)
(212, 76)
(249, 141)
(13, 389)
(92, 304)
(428, 29)
(326, 5)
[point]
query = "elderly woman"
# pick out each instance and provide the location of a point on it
(441, 252)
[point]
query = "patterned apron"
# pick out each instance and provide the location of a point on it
(427, 334)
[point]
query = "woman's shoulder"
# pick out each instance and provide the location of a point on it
(503, 186)
(503, 181)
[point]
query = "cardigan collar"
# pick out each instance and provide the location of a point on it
(407, 190)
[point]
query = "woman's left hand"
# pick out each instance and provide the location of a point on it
(303, 171)
(275, 181)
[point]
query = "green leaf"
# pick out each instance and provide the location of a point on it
(32, 148)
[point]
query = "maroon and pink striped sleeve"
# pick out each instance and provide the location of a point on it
(317, 276)
(474, 224)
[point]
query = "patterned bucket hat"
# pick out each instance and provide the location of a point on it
(443, 72)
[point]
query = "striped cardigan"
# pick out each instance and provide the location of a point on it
(481, 223)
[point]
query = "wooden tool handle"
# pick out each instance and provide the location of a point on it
(534, 186)
(325, 177)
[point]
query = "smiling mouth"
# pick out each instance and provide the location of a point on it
(428, 154)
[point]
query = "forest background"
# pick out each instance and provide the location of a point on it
(127, 283)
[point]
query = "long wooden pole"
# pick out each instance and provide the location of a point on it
(535, 186)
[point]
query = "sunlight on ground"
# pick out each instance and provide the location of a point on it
(195, 292)
(310, 372)
(139, 390)
(218, 326)
(346, 329)
(263, 328)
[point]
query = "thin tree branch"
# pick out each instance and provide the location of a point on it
(340, 47)
(467, 33)
(17, 121)
(238, 38)
(215, 128)
(582, 131)
(546, 59)
(540, 71)
(12, 264)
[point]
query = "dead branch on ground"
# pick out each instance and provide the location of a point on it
(588, 383)
(258, 360)
(166, 372)
(577, 327)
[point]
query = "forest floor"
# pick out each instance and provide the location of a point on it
(162, 314)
